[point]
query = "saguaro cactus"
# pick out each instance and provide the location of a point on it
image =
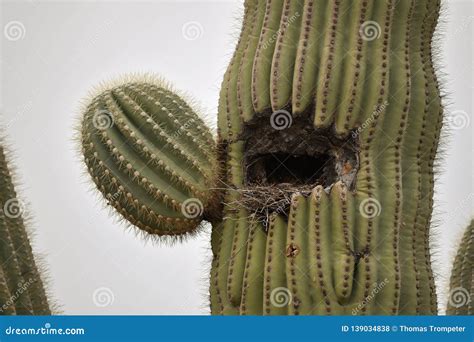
(21, 287)
(320, 187)
(336, 105)
(461, 291)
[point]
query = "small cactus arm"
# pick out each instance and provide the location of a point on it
(328, 127)
(461, 287)
(21, 287)
(151, 156)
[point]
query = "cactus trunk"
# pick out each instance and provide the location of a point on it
(329, 120)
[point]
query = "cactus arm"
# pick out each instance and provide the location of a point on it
(151, 156)
(11, 270)
(22, 290)
(461, 295)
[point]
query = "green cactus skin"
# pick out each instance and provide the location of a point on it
(461, 294)
(150, 155)
(319, 69)
(21, 287)
(345, 228)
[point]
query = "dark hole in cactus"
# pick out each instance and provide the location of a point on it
(281, 162)
(298, 156)
(281, 168)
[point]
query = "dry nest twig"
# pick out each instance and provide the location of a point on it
(263, 201)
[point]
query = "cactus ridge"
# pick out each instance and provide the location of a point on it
(150, 155)
(21, 287)
(461, 295)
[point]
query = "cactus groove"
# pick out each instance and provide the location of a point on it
(21, 287)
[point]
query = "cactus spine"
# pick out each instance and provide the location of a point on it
(21, 287)
(461, 294)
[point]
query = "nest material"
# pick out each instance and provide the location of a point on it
(263, 201)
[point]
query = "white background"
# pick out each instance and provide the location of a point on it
(66, 48)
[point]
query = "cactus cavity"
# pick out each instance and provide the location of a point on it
(461, 287)
(150, 155)
(21, 287)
